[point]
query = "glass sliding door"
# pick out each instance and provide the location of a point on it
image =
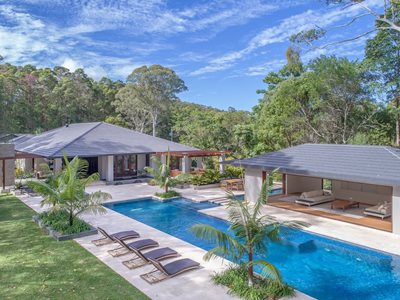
(125, 166)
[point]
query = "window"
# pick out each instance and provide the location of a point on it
(327, 184)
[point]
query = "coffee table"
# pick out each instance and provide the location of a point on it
(344, 204)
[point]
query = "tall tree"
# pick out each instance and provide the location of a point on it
(150, 89)
(382, 57)
(386, 15)
(328, 103)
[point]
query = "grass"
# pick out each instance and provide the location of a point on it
(235, 279)
(35, 266)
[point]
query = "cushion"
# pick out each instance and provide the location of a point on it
(312, 194)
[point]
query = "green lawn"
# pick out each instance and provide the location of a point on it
(35, 266)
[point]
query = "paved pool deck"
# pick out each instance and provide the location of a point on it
(196, 284)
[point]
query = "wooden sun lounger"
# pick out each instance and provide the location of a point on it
(169, 270)
(112, 238)
(143, 258)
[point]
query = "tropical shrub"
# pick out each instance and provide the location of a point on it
(210, 176)
(66, 190)
(59, 221)
(249, 233)
(233, 172)
(168, 194)
(264, 288)
(162, 174)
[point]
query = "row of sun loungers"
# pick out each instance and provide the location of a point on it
(154, 257)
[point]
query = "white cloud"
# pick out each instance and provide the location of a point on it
(265, 68)
(280, 33)
(71, 64)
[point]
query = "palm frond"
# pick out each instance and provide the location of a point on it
(225, 244)
(268, 270)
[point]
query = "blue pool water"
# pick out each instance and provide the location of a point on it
(321, 267)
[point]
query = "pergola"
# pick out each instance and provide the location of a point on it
(187, 154)
(195, 153)
(18, 155)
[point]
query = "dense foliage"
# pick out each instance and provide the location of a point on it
(59, 221)
(327, 100)
(210, 176)
(169, 194)
(264, 288)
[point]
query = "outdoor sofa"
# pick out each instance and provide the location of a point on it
(381, 210)
(315, 197)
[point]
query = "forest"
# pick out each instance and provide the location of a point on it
(329, 99)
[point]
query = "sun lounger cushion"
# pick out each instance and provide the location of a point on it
(141, 244)
(381, 208)
(158, 253)
(125, 234)
(315, 197)
(179, 265)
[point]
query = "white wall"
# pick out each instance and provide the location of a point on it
(106, 167)
(253, 183)
(299, 184)
(362, 192)
(7, 150)
(396, 210)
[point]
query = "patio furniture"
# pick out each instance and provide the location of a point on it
(381, 210)
(234, 184)
(127, 248)
(315, 197)
(175, 172)
(169, 270)
(112, 238)
(344, 204)
(143, 258)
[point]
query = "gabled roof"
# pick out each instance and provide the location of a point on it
(357, 163)
(94, 139)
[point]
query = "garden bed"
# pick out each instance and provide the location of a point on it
(62, 236)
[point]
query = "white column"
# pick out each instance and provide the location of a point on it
(199, 161)
(57, 165)
(396, 210)
(163, 159)
(221, 166)
(252, 184)
(152, 164)
(110, 168)
(186, 164)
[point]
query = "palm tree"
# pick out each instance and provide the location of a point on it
(162, 173)
(248, 232)
(66, 191)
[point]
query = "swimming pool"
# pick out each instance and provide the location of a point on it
(320, 267)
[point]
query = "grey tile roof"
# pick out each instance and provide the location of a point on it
(358, 163)
(94, 139)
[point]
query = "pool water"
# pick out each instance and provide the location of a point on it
(320, 267)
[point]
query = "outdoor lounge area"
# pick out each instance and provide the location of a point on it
(354, 184)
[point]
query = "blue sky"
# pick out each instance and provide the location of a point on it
(221, 49)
